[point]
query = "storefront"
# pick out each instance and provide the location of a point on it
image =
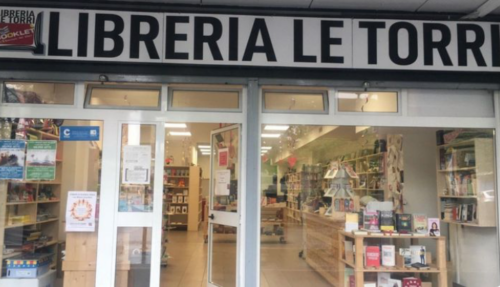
(130, 138)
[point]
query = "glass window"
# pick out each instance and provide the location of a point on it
(352, 206)
(39, 93)
(49, 203)
(367, 102)
(186, 99)
(306, 102)
(133, 257)
(123, 97)
(137, 166)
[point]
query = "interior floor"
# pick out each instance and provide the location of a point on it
(280, 263)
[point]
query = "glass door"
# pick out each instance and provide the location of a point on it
(223, 225)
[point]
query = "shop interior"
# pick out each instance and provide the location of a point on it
(319, 183)
(33, 224)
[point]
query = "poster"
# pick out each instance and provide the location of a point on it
(223, 157)
(80, 211)
(12, 159)
(222, 182)
(136, 164)
(41, 160)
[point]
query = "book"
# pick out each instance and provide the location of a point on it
(434, 227)
(386, 220)
(417, 254)
(388, 255)
(383, 279)
(406, 254)
(420, 266)
(371, 221)
(412, 282)
(420, 223)
(372, 256)
(352, 281)
(403, 223)
(351, 222)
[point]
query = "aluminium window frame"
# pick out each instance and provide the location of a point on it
(173, 89)
(3, 83)
(323, 93)
(399, 100)
(90, 88)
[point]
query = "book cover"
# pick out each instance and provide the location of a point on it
(406, 254)
(395, 283)
(417, 254)
(420, 223)
(386, 220)
(434, 227)
(403, 223)
(412, 282)
(351, 222)
(371, 220)
(383, 279)
(388, 255)
(372, 256)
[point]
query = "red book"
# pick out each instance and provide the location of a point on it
(412, 282)
(372, 256)
(352, 282)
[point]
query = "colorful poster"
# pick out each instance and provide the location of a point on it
(223, 157)
(80, 211)
(12, 159)
(136, 164)
(222, 182)
(41, 160)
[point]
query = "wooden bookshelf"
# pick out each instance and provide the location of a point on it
(184, 181)
(465, 175)
(37, 206)
(438, 268)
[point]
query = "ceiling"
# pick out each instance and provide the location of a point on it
(412, 6)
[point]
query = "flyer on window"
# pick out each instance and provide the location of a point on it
(41, 160)
(136, 164)
(222, 182)
(12, 159)
(80, 211)
(223, 157)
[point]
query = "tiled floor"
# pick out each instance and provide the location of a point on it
(281, 265)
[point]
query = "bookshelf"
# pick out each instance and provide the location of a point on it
(300, 185)
(30, 211)
(357, 262)
(372, 172)
(466, 183)
(183, 196)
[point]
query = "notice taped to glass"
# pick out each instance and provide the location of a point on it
(80, 211)
(41, 160)
(12, 159)
(136, 164)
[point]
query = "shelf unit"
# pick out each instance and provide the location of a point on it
(299, 186)
(465, 178)
(372, 172)
(359, 269)
(184, 182)
(35, 212)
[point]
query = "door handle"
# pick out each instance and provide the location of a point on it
(211, 216)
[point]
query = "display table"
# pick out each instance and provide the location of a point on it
(321, 245)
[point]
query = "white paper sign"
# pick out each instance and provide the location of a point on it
(80, 211)
(222, 181)
(136, 164)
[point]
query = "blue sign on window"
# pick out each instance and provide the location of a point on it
(67, 133)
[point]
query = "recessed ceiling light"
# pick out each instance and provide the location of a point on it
(276, 128)
(266, 147)
(344, 95)
(205, 153)
(203, 146)
(186, 134)
(175, 125)
(271, 135)
(205, 150)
